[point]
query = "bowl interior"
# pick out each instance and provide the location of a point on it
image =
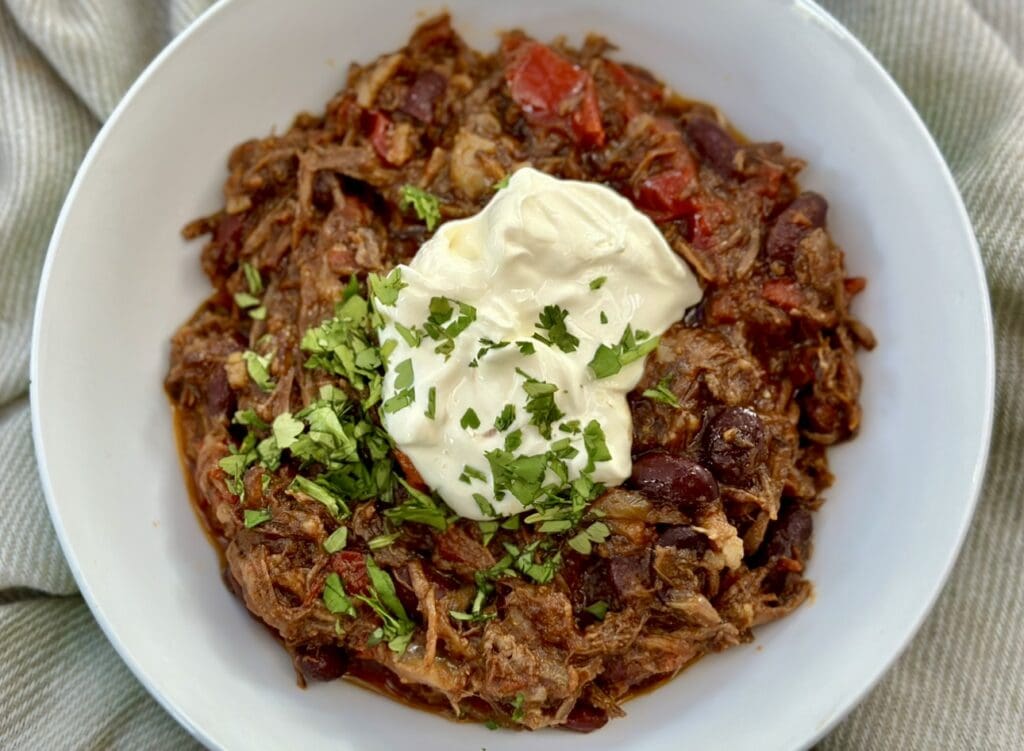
(119, 279)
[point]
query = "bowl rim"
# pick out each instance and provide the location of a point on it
(843, 36)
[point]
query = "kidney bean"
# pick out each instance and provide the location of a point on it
(734, 444)
(321, 662)
(674, 479)
(631, 575)
(714, 143)
(427, 87)
(790, 535)
(684, 538)
(805, 214)
(585, 718)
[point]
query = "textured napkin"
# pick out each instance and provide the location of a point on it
(63, 67)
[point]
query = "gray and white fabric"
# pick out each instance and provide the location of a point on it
(63, 67)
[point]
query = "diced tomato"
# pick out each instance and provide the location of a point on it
(351, 567)
(782, 293)
(412, 475)
(548, 88)
(667, 194)
(380, 133)
(709, 214)
(854, 285)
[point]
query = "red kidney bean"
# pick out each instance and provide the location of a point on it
(678, 480)
(321, 662)
(714, 143)
(631, 575)
(790, 535)
(684, 538)
(805, 214)
(734, 444)
(427, 87)
(585, 718)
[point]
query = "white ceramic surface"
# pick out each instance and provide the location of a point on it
(118, 280)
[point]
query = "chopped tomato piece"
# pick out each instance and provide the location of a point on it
(854, 285)
(351, 567)
(548, 87)
(412, 475)
(709, 215)
(667, 195)
(380, 133)
(782, 293)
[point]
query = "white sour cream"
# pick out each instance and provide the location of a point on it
(541, 241)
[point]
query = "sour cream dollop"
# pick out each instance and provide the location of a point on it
(572, 263)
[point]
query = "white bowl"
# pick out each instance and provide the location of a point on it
(119, 279)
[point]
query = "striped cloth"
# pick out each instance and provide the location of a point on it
(63, 66)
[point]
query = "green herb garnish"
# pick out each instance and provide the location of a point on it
(552, 320)
(631, 347)
(426, 205)
(258, 369)
(663, 394)
(255, 517)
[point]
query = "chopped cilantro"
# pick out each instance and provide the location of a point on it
(471, 617)
(595, 444)
(385, 289)
(608, 361)
(335, 599)
(245, 300)
(337, 540)
(552, 320)
(604, 317)
(286, 430)
(503, 182)
(598, 282)
(258, 314)
(598, 609)
(472, 473)
(403, 375)
(517, 708)
(335, 504)
(396, 626)
(526, 348)
(663, 394)
(411, 336)
(399, 401)
(419, 508)
(258, 368)
(505, 419)
(431, 402)
(382, 541)
(470, 420)
(540, 403)
(253, 280)
(483, 504)
(426, 205)
(596, 533)
(255, 517)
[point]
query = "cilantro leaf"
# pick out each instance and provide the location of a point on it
(385, 289)
(396, 626)
(598, 282)
(258, 369)
(253, 280)
(663, 394)
(505, 419)
(540, 403)
(334, 503)
(608, 361)
(255, 517)
(426, 205)
(286, 430)
(595, 445)
(552, 320)
(337, 540)
(598, 609)
(335, 599)
(431, 402)
(470, 420)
